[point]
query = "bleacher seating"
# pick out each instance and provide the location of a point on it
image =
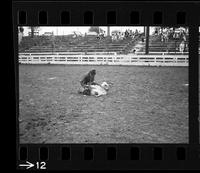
(70, 44)
(155, 45)
(90, 43)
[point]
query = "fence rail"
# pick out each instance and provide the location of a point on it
(164, 53)
(64, 58)
(67, 53)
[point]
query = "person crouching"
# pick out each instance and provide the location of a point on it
(88, 80)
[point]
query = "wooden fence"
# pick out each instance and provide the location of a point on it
(65, 58)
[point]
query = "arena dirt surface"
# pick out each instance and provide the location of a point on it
(144, 105)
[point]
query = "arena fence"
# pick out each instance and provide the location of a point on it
(64, 58)
(163, 53)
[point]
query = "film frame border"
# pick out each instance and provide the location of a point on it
(146, 12)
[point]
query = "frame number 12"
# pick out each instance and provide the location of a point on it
(41, 165)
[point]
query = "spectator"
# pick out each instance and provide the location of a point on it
(142, 39)
(136, 32)
(121, 36)
(126, 34)
(112, 37)
(118, 35)
(131, 33)
(104, 34)
(185, 41)
(165, 37)
(176, 35)
(162, 37)
(156, 31)
(184, 37)
(181, 47)
(134, 50)
(98, 37)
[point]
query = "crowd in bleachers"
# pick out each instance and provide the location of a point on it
(119, 35)
(180, 37)
(77, 43)
(162, 40)
(128, 33)
(170, 33)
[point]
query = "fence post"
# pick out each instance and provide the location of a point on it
(147, 40)
(52, 59)
(31, 58)
(80, 58)
(95, 58)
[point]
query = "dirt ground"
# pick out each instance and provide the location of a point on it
(144, 105)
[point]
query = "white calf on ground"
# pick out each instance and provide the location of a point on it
(99, 90)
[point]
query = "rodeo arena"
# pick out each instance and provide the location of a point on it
(103, 84)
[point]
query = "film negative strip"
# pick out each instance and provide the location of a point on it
(136, 107)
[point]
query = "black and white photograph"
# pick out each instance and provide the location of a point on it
(103, 84)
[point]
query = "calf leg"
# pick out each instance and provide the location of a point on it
(87, 92)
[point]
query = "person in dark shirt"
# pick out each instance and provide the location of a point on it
(87, 81)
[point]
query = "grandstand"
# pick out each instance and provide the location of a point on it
(155, 45)
(64, 46)
(87, 44)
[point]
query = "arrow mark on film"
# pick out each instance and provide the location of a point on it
(29, 165)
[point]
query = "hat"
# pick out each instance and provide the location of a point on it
(93, 71)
